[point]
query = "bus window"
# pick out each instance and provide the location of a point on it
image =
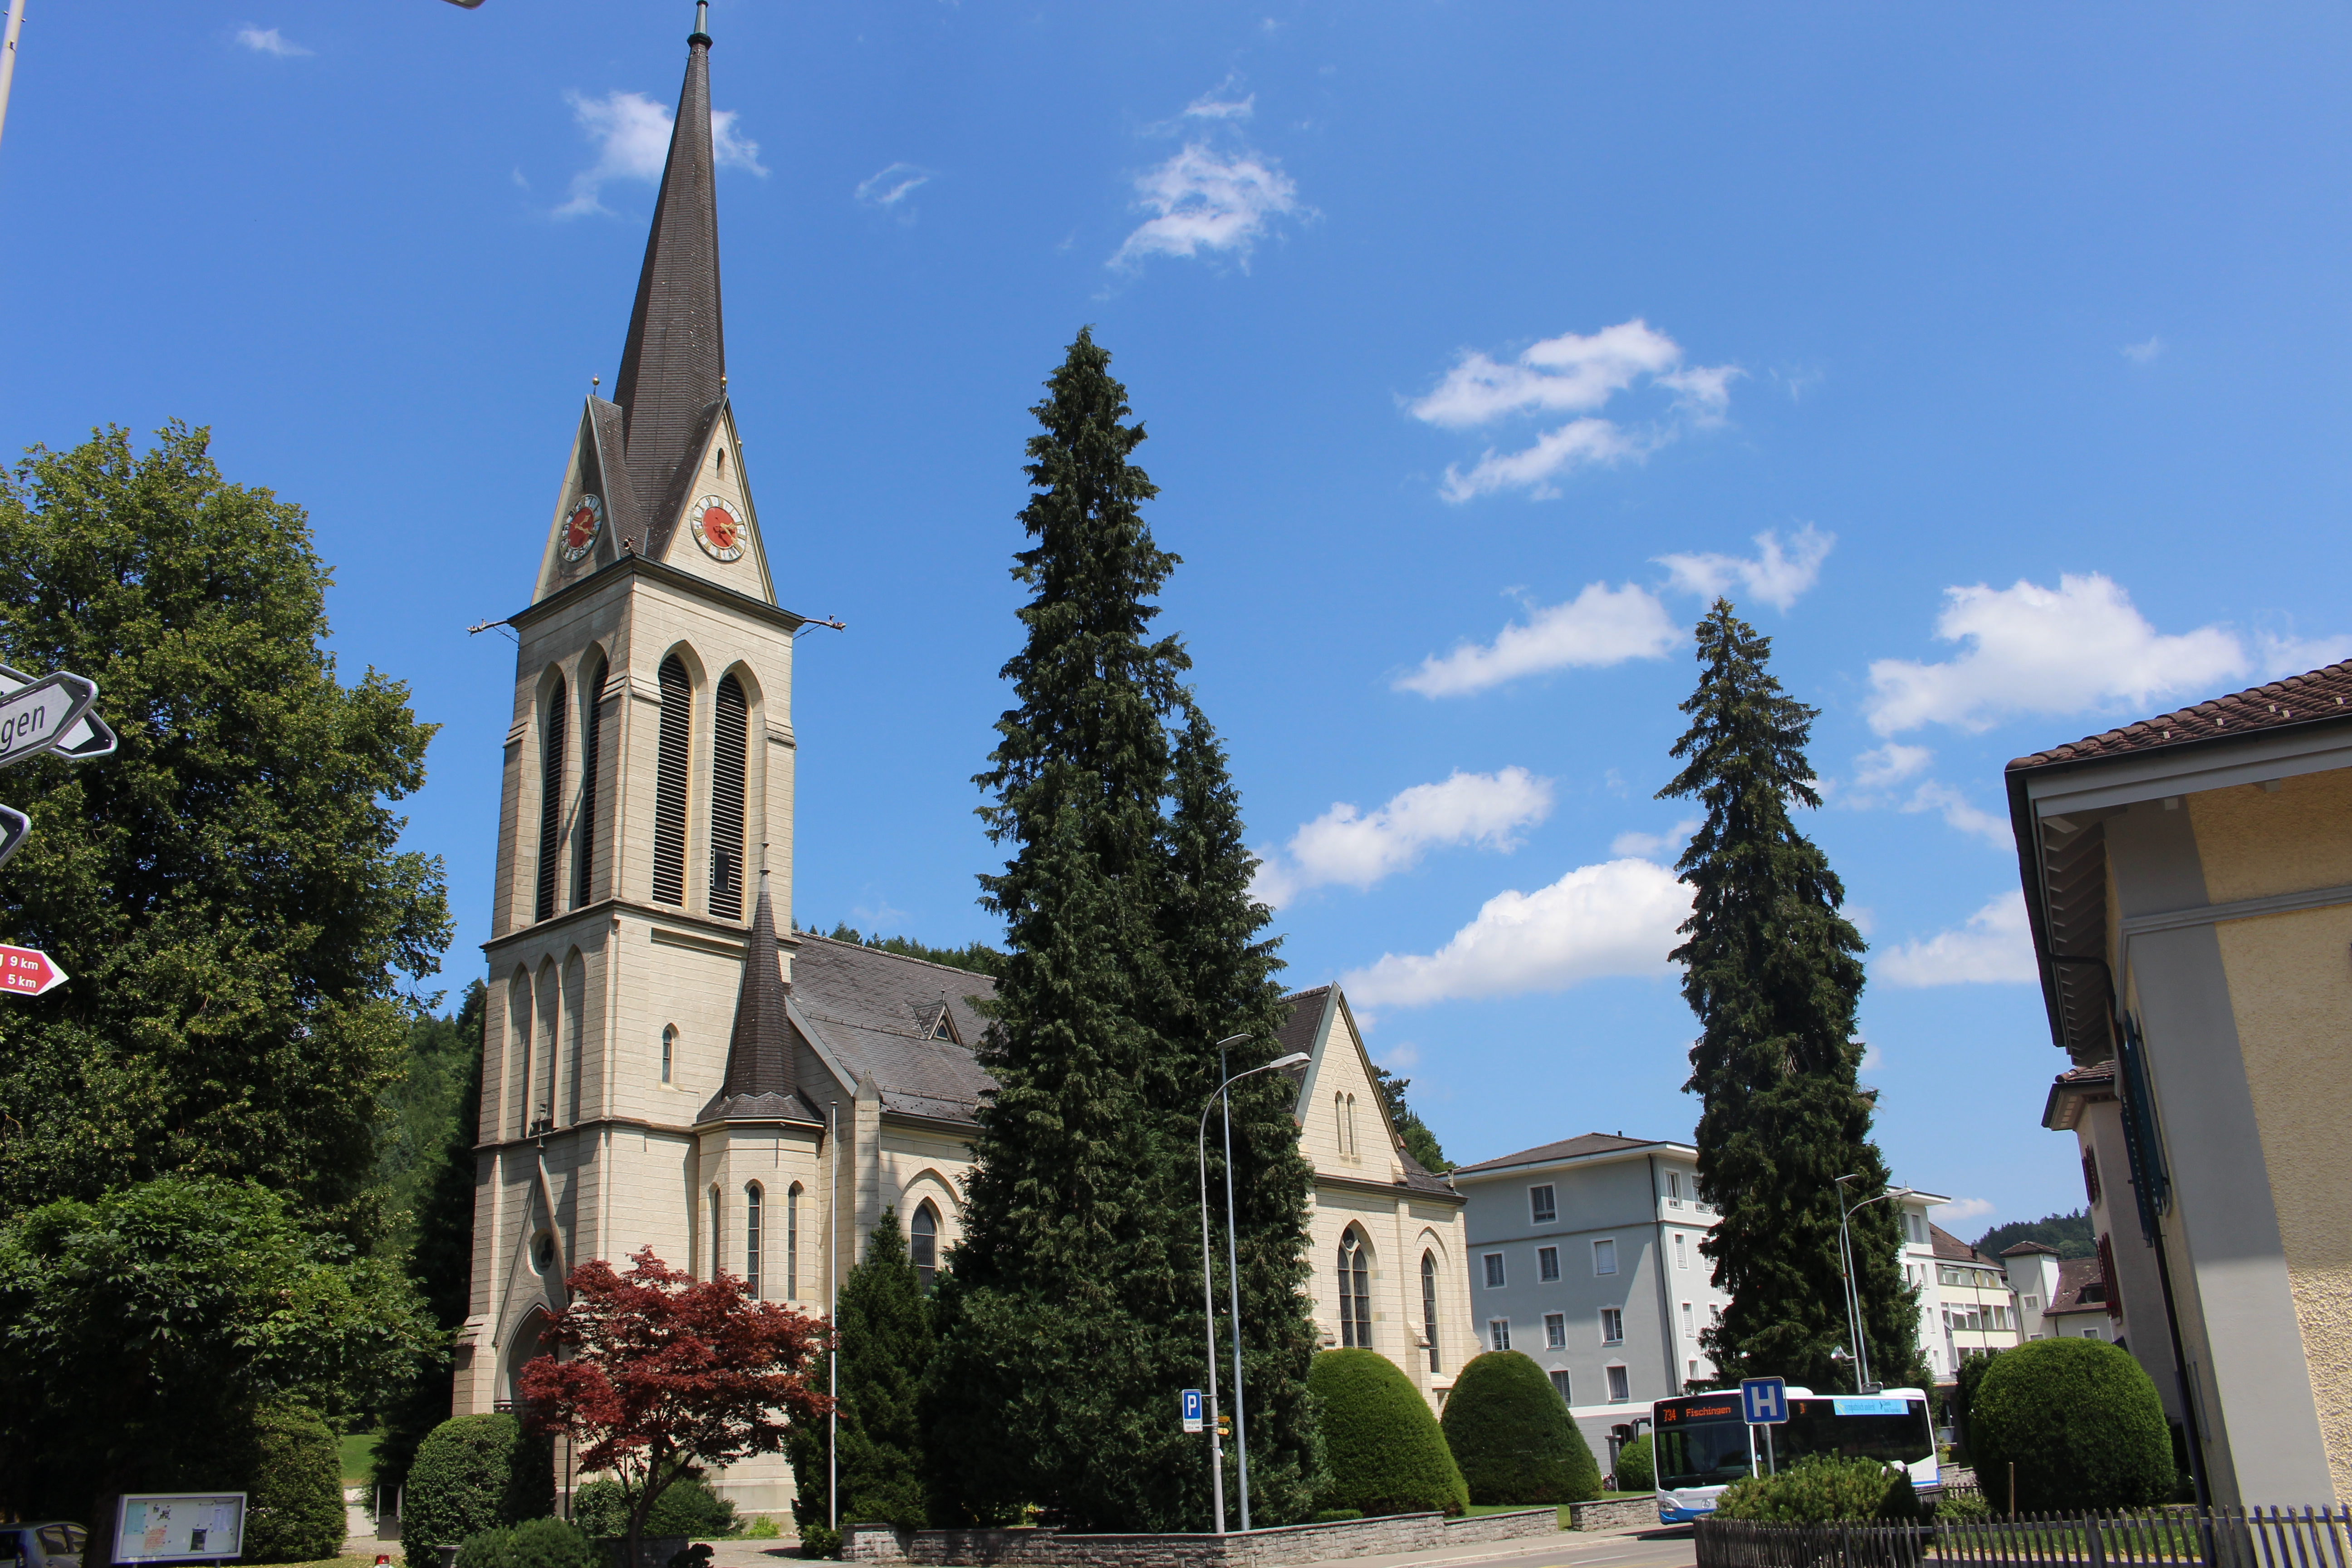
(1894, 1431)
(1703, 1454)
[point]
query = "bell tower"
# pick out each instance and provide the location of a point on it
(648, 785)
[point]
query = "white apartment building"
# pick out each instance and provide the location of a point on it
(1967, 1305)
(1585, 1254)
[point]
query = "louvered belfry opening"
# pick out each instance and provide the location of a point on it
(731, 737)
(550, 797)
(592, 725)
(669, 783)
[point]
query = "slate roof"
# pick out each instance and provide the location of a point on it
(673, 372)
(876, 1011)
(758, 1082)
(1952, 1250)
(1567, 1149)
(2081, 1288)
(2324, 696)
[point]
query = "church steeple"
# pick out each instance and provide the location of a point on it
(674, 366)
(759, 1054)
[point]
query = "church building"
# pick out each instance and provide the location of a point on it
(666, 1063)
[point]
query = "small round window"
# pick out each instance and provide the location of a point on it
(543, 1251)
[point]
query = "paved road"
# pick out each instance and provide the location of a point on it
(1650, 1549)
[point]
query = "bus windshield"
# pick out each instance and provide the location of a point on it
(1894, 1431)
(1700, 1443)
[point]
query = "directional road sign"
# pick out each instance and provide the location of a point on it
(1764, 1400)
(35, 718)
(28, 971)
(1191, 1405)
(89, 738)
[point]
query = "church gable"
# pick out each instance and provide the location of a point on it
(707, 525)
(1343, 1124)
(594, 509)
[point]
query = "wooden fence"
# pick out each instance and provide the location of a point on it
(2208, 1538)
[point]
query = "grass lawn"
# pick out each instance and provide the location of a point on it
(359, 1449)
(1478, 1508)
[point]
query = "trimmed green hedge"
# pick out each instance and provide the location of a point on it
(535, 1543)
(296, 1507)
(471, 1474)
(1382, 1447)
(687, 1507)
(1637, 1470)
(1821, 1490)
(2080, 1420)
(1513, 1439)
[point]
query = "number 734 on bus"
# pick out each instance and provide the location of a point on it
(1703, 1443)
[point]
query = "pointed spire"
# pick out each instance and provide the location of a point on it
(759, 1054)
(674, 366)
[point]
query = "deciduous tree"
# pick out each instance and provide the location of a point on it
(662, 1372)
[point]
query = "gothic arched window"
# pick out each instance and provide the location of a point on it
(1355, 1291)
(923, 1244)
(1340, 1121)
(669, 1052)
(1355, 1149)
(674, 748)
(1428, 1305)
(550, 797)
(793, 1242)
(591, 726)
(730, 736)
(717, 1215)
(751, 1240)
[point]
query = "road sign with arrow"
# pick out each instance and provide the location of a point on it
(40, 715)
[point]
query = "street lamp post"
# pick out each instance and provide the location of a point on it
(1234, 1286)
(1862, 1382)
(1209, 1284)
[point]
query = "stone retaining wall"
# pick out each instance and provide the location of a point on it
(1615, 1511)
(1257, 1549)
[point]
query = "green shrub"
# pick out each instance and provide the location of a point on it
(687, 1507)
(1637, 1470)
(295, 1507)
(1965, 1383)
(762, 1527)
(534, 1543)
(820, 1540)
(1513, 1439)
(1821, 1490)
(1382, 1447)
(1335, 1515)
(471, 1474)
(2081, 1422)
(1962, 1505)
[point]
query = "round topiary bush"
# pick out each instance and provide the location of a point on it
(1513, 1439)
(1637, 1470)
(471, 1474)
(295, 1508)
(1383, 1447)
(534, 1543)
(687, 1507)
(2081, 1422)
(1820, 1489)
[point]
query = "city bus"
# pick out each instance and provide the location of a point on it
(1702, 1445)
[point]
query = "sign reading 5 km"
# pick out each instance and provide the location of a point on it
(37, 718)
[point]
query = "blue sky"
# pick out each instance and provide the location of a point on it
(1991, 362)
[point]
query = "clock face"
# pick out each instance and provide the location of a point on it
(718, 529)
(580, 528)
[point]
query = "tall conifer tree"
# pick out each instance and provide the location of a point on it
(885, 1349)
(1774, 971)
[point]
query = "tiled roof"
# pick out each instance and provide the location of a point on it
(1952, 1248)
(2027, 1248)
(760, 1048)
(1567, 1149)
(2081, 1288)
(876, 1009)
(2324, 696)
(2096, 1073)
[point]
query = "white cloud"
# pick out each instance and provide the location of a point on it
(2144, 353)
(2285, 656)
(1649, 846)
(1347, 846)
(1204, 200)
(1570, 374)
(1775, 576)
(2079, 648)
(1601, 626)
(268, 41)
(1209, 106)
(889, 190)
(631, 133)
(1398, 1057)
(1890, 764)
(1965, 1208)
(1996, 947)
(1617, 917)
(1878, 771)
(1959, 813)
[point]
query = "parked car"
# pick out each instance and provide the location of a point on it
(54, 1544)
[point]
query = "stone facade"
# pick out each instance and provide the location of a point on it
(1330, 1543)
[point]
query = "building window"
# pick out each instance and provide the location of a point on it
(730, 740)
(1715, 1312)
(1498, 1333)
(717, 1214)
(2090, 1334)
(751, 1240)
(793, 1242)
(1604, 1256)
(1428, 1305)
(1560, 1385)
(1690, 1322)
(1620, 1389)
(1674, 1188)
(1547, 1262)
(1693, 1374)
(673, 750)
(1540, 1208)
(1681, 1250)
(1613, 1325)
(1918, 1229)
(550, 797)
(669, 1053)
(923, 1244)
(1355, 1149)
(1555, 1331)
(1494, 1271)
(2034, 1303)
(1355, 1291)
(2091, 1173)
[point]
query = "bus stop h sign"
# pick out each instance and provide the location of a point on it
(1764, 1400)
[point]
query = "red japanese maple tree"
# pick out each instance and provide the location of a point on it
(655, 1373)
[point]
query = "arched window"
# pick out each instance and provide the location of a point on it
(1355, 1149)
(717, 1215)
(730, 736)
(1355, 1291)
(751, 1240)
(1339, 1121)
(591, 730)
(519, 1044)
(673, 752)
(793, 1242)
(669, 1052)
(1428, 1305)
(923, 1238)
(550, 797)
